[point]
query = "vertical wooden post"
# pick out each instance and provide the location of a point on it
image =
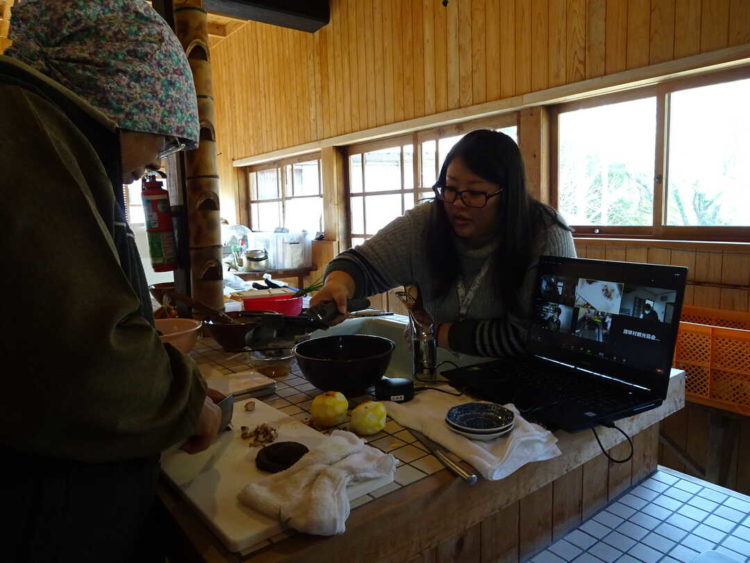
(335, 211)
(533, 140)
(201, 172)
(5, 24)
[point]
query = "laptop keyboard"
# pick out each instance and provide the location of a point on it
(531, 388)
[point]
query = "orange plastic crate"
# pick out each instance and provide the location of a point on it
(713, 347)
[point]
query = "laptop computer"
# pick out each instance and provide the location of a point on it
(600, 344)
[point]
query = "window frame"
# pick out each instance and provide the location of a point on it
(279, 165)
(416, 139)
(659, 229)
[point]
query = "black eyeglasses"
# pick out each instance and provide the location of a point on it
(171, 146)
(470, 198)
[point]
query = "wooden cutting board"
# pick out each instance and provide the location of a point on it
(211, 480)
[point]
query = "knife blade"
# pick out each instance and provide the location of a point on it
(439, 452)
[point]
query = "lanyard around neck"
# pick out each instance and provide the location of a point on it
(465, 298)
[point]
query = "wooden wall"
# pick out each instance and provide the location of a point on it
(384, 61)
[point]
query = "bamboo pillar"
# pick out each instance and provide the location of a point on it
(5, 24)
(201, 172)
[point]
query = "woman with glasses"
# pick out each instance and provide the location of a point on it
(92, 93)
(472, 251)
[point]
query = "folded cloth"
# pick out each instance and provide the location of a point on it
(310, 496)
(495, 459)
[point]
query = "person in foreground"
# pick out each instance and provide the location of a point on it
(472, 251)
(91, 94)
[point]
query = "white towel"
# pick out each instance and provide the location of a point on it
(310, 496)
(495, 459)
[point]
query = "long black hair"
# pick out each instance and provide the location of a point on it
(494, 157)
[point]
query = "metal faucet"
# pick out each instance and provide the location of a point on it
(422, 334)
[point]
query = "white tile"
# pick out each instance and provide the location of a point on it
(621, 510)
(737, 544)
(682, 522)
(595, 529)
(658, 542)
(633, 501)
(565, 550)
(697, 543)
(619, 541)
(719, 523)
(429, 464)
(408, 453)
(669, 560)
(609, 520)
(703, 503)
(738, 504)
(682, 553)
(678, 494)
(547, 557)
(357, 502)
(729, 553)
(665, 477)
(644, 520)
(628, 559)
(742, 532)
(688, 486)
(577, 537)
(692, 512)
(645, 493)
(382, 491)
(407, 474)
(669, 531)
(655, 485)
(657, 511)
(645, 553)
(730, 513)
(668, 503)
(710, 494)
(710, 533)
(586, 558)
(605, 552)
(632, 530)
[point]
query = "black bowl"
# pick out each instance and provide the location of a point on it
(349, 363)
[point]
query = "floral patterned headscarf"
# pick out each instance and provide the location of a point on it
(119, 55)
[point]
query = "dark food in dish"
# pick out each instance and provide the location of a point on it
(279, 456)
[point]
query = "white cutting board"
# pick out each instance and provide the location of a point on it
(211, 479)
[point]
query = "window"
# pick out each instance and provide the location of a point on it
(134, 213)
(666, 161)
(286, 194)
(385, 178)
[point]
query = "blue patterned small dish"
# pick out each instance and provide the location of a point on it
(481, 418)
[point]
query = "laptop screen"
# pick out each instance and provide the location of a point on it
(619, 319)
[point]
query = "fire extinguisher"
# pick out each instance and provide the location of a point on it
(158, 211)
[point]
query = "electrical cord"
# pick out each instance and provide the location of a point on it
(621, 431)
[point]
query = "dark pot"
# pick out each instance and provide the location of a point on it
(231, 337)
(348, 363)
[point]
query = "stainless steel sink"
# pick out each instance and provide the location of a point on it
(394, 327)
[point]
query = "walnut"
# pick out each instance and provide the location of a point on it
(250, 405)
(260, 435)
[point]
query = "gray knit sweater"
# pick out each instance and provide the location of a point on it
(396, 256)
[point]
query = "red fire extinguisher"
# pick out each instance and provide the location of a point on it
(161, 239)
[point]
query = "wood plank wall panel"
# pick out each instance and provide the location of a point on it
(716, 278)
(384, 61)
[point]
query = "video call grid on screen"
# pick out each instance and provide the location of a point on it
(587, 313)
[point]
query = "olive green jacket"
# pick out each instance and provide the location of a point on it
(85, 375)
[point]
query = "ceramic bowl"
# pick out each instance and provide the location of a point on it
(491, 431)
(349, 363)
(484, 437)
(482, 417)
(180, 333)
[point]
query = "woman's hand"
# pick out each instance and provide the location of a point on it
(207, 428)
(339, 287)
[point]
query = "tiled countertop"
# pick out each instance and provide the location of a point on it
(294, 395)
